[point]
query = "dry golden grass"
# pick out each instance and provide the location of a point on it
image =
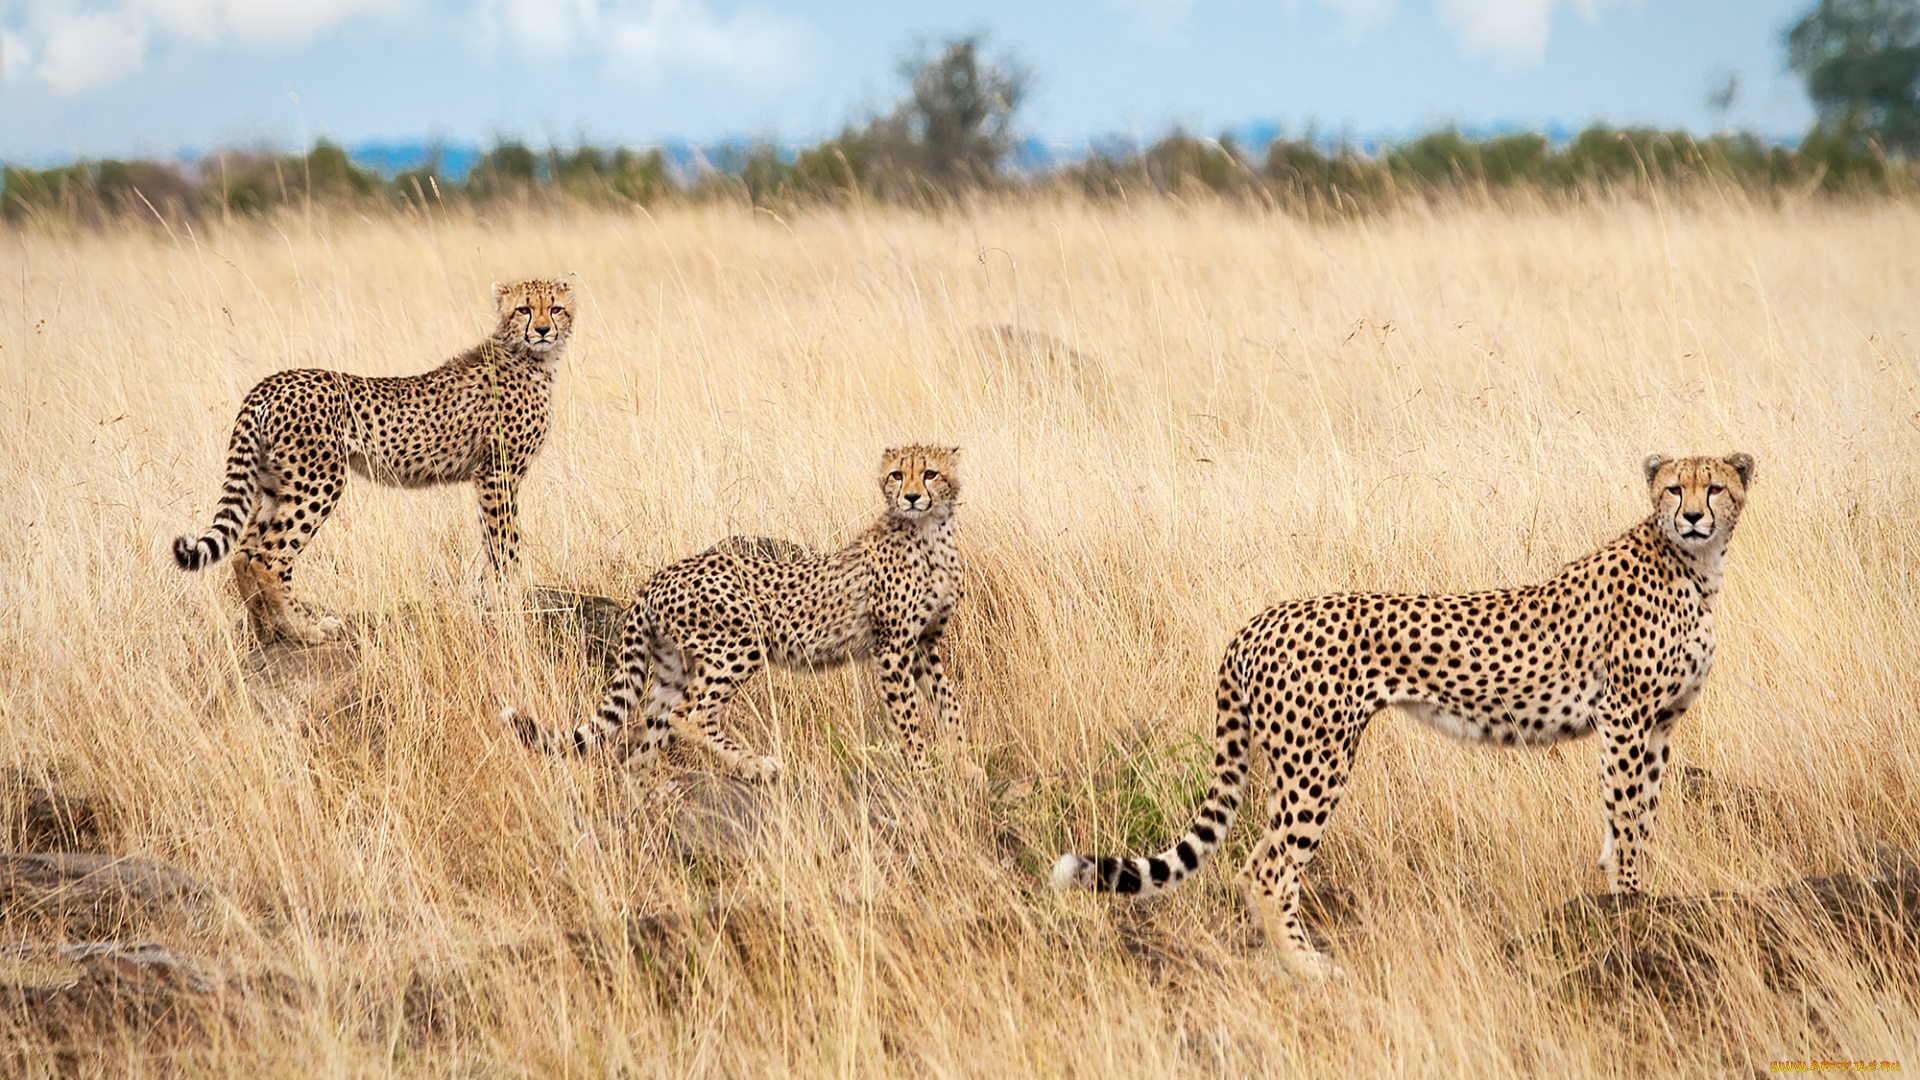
(1199, 411)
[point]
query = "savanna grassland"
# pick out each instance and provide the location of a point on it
(1172, 416)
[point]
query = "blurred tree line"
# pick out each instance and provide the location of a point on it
(951, 135)
(1861, 62)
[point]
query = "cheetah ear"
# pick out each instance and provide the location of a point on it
(499, 290)
(953, 451)
(563, 286)
(1743, 464)
(1652, 465)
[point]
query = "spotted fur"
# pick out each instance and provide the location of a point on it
(1619, 643)
(705, 625)
(480, 418)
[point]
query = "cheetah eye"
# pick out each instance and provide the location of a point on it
(1674, 490)
(1715, 489)
(523, 310)
(896, 475)
(930, 475)
(554, 310)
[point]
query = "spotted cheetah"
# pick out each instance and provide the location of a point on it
(479, 417)
(706, 624)
(1619, 643)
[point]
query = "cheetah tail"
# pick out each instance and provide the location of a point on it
(608, 723)
(238, 498)
(1163, 872)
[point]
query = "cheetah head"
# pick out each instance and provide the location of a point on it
(1698, 499)
(535, 314)
(919, 480)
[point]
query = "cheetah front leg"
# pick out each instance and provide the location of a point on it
(496, 490)
(1635, 762)
(898, 662)
(930, 679)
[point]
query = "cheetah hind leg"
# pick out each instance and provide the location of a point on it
(271, 607)
(1271, 883)
(706, 693)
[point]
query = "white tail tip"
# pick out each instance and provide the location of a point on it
(1066, 873)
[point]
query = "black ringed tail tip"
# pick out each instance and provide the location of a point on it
(190, 553)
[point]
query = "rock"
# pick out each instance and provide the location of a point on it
(770, 548)
(715, 814)
(592, 624)
(674, 950)
(1753, 806)
(43, 819)
(1670, 946)
(68, 993)
(293, 683)
(596, 624)
(1043, 367)
(91, 895)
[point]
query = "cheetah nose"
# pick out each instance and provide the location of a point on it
(912, 499)
(1693, 516)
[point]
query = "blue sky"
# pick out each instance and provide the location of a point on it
(101, 78)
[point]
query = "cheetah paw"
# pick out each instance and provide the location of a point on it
(307, 631)
(1317, 967)
(969, 773)
(763, 769)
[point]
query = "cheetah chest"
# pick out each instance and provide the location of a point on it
(1695, 658)
(941, 584)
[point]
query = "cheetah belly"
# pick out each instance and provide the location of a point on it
(411, 465)
(826, 629)
(1561, 710)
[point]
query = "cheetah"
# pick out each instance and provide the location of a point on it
(479, 417)
(1619, 643)
(706, 624)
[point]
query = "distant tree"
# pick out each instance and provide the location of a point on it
(511, 168)
(1861, 62)
(1181, 163)
(330, 172)
(961, 111)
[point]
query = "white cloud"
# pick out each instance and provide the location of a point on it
(1515, 29)
(641, 38)
(15, 57)
(254, 21)
(1509, 29)
(83, 44)
(1156, 16)
(89, 51)
(664, 35)
(541, 28)
(1358, 15)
